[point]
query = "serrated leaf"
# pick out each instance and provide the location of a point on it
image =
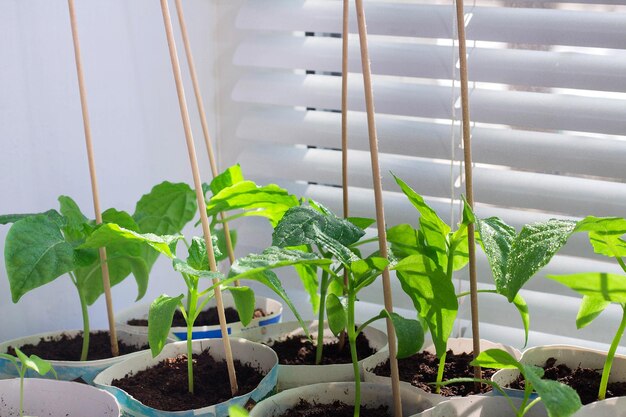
(433, 296)
(229, 177)
(496, 239)
(166, 209)
(336, 314)
(244, 303)
(590, 308)
(605, 234)
(609, 287)
(559, 399)
(51, 214)
(496, 359)
(160, 318)
(35, 253)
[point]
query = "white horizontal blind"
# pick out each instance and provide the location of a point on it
(548, 104)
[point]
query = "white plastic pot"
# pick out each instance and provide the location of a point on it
(458, 345)
(572, 356)
(612, 407)
(479, 406)
(69, 370)
(46, 397)
(373, 395)
(255, 354)
(140, 311)
(290, 376)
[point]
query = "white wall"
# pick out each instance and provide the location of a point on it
(136, 126)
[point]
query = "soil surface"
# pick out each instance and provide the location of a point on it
(336, 409)
(69, 348)
(299, 350)
(585, 381)
(421, 369)
(206, 318)
(164, 386)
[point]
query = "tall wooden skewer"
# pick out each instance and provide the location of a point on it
(203, 121)
(106, 283)
(378, 196)
(469, 190)
(184, 113)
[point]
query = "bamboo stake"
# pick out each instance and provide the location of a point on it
(469, 190)
(184, 113)
(378, 196)
(344, 132)
(106, 283)
(203, 121)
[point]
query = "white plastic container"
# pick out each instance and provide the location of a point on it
(480, 406)
(372, 395)
(458, 345)
(572, 356)
(255, 354)
(69, 370)
(290, 376)
(46, 397)
(140, 311)
(612, 407)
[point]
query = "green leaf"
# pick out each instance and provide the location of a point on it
(121, 218)
(198, 257)
(496, 239)
(270, 201)
(404, 240)
(244, 303)
(11, 359)
(410, 335)
(41, 366)
(160, 321)
(182, 266)
(522, 308)
(271, 258)
(76, 221)
(35, 254)
(459, 244)
(605, 234)
(590, 308)
(237, 411)
(336, 314)
(496, 359)
(231, 176)
(166, 209)
(361, 222)
(609, 287)
(220, 243)
(52, 215)
(308, 276)
(433, 296)
(365, 271)
(559, 399)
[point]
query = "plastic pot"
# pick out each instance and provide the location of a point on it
(372, 395)
(46, 397)
(290, 376)
(612, 407)
(70, 370)
(479, 406)
(140, 311)
(255, 354)
(458, 345)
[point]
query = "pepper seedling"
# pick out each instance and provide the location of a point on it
(600, 289)
(39, 248)
(33, 362)
(559, 399)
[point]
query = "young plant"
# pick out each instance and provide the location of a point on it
(33, 362)
(318, 227)
(429, 256)
(39, 248)
(558, 399)
(599, 289)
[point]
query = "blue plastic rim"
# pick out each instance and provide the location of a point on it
(217, 333)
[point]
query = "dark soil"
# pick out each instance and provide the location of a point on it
(299, 350)
(206, 318)
(164, 386)
(585, 381)
(421, 369)
(336, 409)
(68, 348)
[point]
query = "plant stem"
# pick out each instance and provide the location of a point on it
(442, 365)
(611, 355)
(352, 334)
(85, 313)
(192, 299)
(523, 411)
(320, 319)
(620, 261)
(22, 373)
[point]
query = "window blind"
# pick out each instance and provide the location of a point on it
(548, 109)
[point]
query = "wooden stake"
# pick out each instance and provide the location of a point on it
(378, 195)
(469, 190)
(184, 113)
(106, 283)
(203, 121)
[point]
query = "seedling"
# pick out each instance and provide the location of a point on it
(40, 248)
(33, 362)
(600, 289)
(558, 399)
(428, 258)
